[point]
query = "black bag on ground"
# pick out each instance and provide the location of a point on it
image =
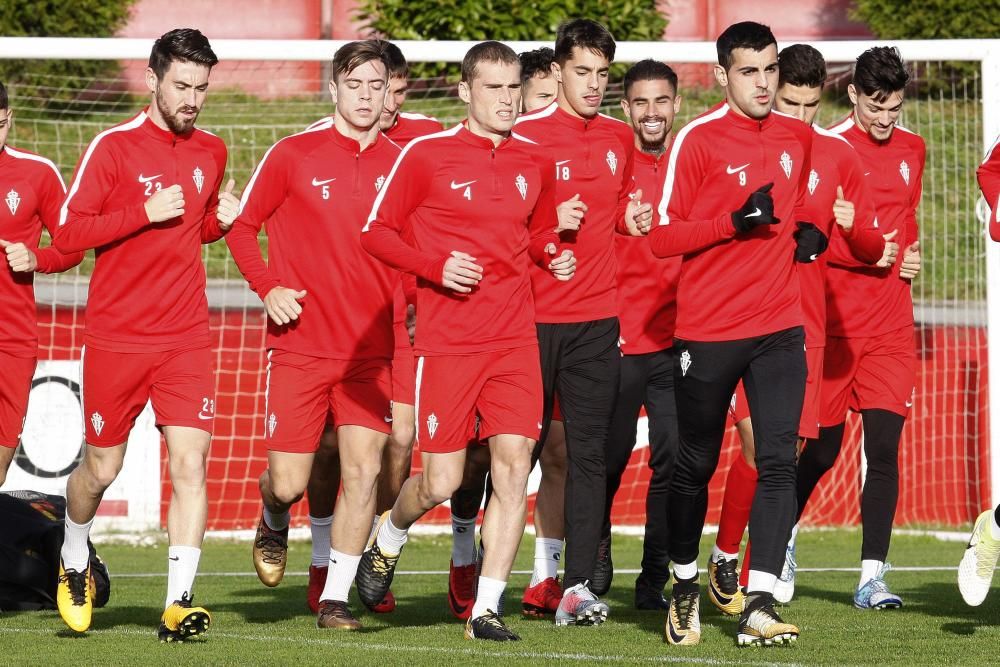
(31, 536)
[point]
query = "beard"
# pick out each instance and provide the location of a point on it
(653, 143)
(176, 124)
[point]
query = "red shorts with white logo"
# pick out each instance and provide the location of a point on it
(877, 372)
(739, 409)
(502, 388)
(117, 385)
(15, 385)
(301, 391)
(403, 369)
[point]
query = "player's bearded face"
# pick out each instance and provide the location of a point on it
(802, 102)
(583, 79)
(877, 118)
(180, 95)
(750, 81)
(494, 97)
(651, 107)
(394, 99)
(360, 94)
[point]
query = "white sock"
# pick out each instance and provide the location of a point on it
(343, 569)
(75, 552)
(182, 565)
(276, 521)
(716, 552)
(994, 527)
(463, 541)
(488, 596)
(761, 582)
(686, 570)
(548, 553)
(320, 528)
(390, 539)
(869, 570)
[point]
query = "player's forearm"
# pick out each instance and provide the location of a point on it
(210, 229)
(385, 244)
(83, 232)
(681, 237)
(51, 260)
(242, 242)
(536, 247)
(865, 245)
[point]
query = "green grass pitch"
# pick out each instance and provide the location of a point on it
(256, 625)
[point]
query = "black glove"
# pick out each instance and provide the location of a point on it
(758, 210)
(809, 242)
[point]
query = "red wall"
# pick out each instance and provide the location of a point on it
(944, 459)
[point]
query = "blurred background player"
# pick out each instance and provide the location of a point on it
(538, 84)
(477, 356)
(324, 479)
(33, 193)
(146, 196)
(870, 359)
(577, 322)
(647, 309)
(733, 192)
(330, 337)
(836, 181)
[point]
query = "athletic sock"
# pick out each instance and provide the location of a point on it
(869, 570)
(340, 576)
(463, 541)
(390, 539)
(686, 571)
(741, 484)
(716, 552)
(488, 596)
(276, 522)
(182, 566)
(75, 552)
(761, 582)
(320, 529)
(548, 552)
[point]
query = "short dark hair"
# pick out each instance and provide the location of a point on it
(801, 65)
(354, 54)
(4, 100)
(649, 70)
(486, 52)
(585, 34)
(535, 62)
(745, 35)
(183, 45)
(879, 72)
(394, 61)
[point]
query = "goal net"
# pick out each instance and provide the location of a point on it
(257, 97)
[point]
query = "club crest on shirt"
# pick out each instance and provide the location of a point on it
(13, 201)
(432, 425)
(612, 161)
(379, 182)
(272, 423)
(522, 186)
(813, 181)
(199, 178)
(904, 171)
(786, 164)
(685, 362)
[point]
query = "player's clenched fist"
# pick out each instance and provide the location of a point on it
(843, 211)
(229, 207)
(910, 266)
(166, 204)
(564, 266)
(889, 251)
(638, 215)
(758, 210)
(282, 304)
(461, 273)
(570, 214)
(20, 258)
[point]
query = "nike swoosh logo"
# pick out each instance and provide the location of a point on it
(909, 404)
(318, 183)
(455, 605)
(867, 173)
(147, 179)
(562, 162)
(388, 420)
(812, 258)
(673, 633)
(458, 186)
(736, 170)
(174, 557)
(205, 417)
(755, 213)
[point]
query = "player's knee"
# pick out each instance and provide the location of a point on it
(287, 491)
(188, 468)
(439, 488)
(361, 476)
(402, 437)
(101, 471)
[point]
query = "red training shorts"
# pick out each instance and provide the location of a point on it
(809, 421)
(15, 385)
(403, 368)
(502, 388)
(117, 385)
(877, 372)
(302, 390)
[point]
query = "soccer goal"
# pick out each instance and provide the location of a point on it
(264, 90)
